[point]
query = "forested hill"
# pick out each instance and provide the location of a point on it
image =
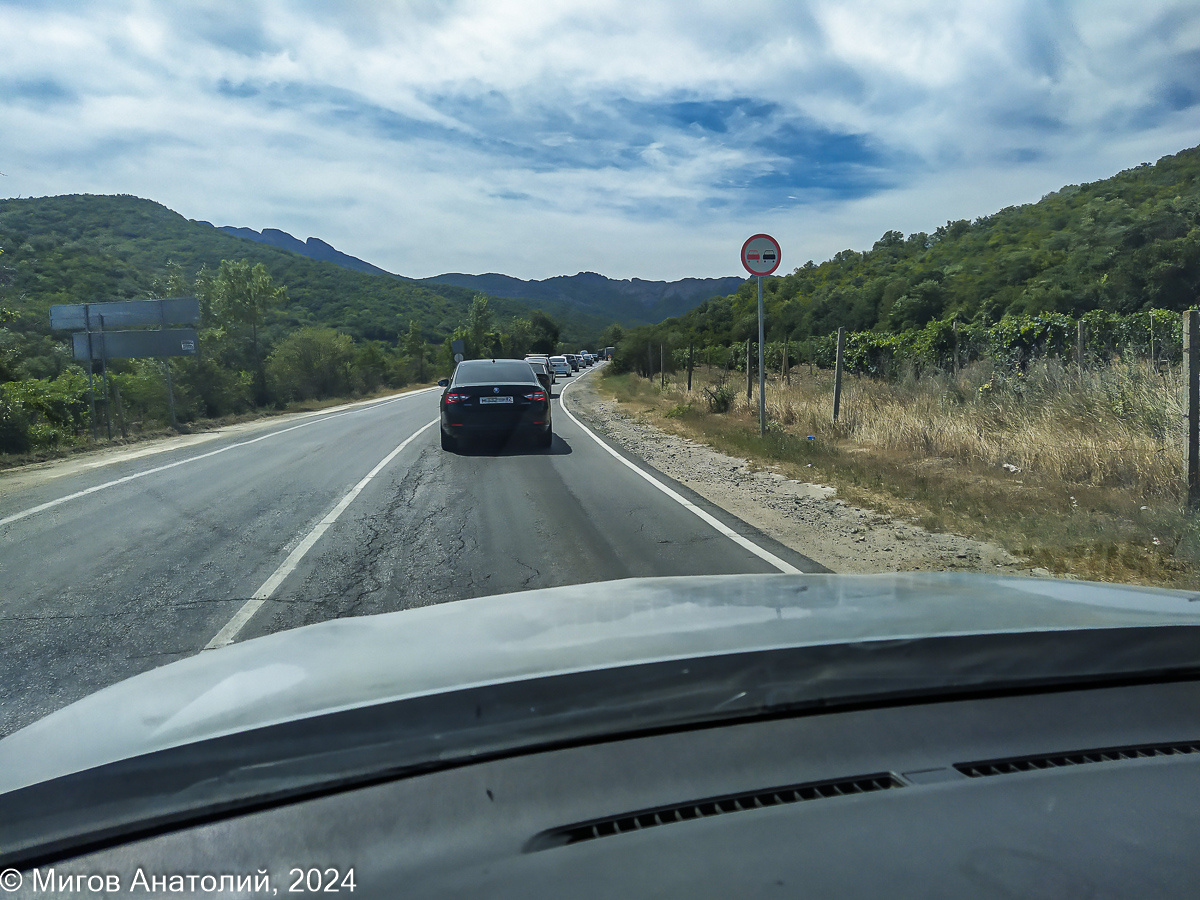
(80, 247)
(1124, 244)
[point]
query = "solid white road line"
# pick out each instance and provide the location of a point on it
(251, 606)
(739, 539)
(15, 517)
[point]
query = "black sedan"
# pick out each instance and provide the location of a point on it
(495, 397)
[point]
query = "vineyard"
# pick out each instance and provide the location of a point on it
(1011, 344)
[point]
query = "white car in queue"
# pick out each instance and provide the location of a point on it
(560, 366)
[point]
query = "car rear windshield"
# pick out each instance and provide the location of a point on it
(538, 367)
(497, 371)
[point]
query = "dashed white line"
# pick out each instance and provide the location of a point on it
(739, 539)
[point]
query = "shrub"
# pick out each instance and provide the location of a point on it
(14, 427)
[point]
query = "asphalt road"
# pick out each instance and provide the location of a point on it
(108, 571)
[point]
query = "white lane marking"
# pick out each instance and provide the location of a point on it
(251, 606)
(739, 539)
(50, 504)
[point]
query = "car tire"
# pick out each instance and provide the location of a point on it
(449, 442)
(546, 440)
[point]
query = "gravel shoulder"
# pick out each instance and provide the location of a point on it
(805, 517)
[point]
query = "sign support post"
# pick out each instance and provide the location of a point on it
(760, 257)
(91, 383)
(162, 342)
(166, 361)
(104, 365)
(762, 373)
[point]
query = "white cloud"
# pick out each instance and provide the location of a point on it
(539, 139)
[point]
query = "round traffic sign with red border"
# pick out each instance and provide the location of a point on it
(760, 254)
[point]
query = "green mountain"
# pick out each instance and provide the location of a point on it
(633, 301)
(80, 248)
(1125, 244)
(314, 248)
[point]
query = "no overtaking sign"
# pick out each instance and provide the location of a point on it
(760, 254)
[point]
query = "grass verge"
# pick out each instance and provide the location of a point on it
(1077, 472)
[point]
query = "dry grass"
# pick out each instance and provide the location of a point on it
(1081, 472)
(1120, 426)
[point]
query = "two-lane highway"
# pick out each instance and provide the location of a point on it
(111, 571)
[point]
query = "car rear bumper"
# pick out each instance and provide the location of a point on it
(534, 423)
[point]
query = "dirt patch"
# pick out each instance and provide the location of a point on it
(804, 516)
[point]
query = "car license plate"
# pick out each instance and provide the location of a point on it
(495, 400)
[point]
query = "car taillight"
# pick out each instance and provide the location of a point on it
(539, 396)
(455, 398)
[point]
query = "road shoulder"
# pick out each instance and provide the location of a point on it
(806, 518)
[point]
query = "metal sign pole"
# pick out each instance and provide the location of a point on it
(162, 318)
(104, 362)
(87, 324)
(760, 257)
(762, 374)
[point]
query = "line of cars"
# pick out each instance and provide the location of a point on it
(504, 397)
(567, 363)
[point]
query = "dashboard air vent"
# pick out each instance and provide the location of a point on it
(713, 806)
(1075, 758)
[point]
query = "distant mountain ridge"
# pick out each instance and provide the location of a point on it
(629, 300)
(313, 248)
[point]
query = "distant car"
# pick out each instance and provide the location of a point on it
(587, 358)
(560, 366)
(544, 360)
(499, 397)
(543, 373)
(573, 361)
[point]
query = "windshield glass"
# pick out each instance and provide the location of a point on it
(493, 372)
(873, 289)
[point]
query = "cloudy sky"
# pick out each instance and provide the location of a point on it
(633, 138)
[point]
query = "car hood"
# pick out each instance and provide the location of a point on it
(351, 663)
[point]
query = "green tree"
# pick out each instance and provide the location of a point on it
(311, 364)
(610, 337)
(479, 326)
(414, 348)
(544, 333)
(517, 337)
(370, 367)
(174, 283)
(244, 296)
